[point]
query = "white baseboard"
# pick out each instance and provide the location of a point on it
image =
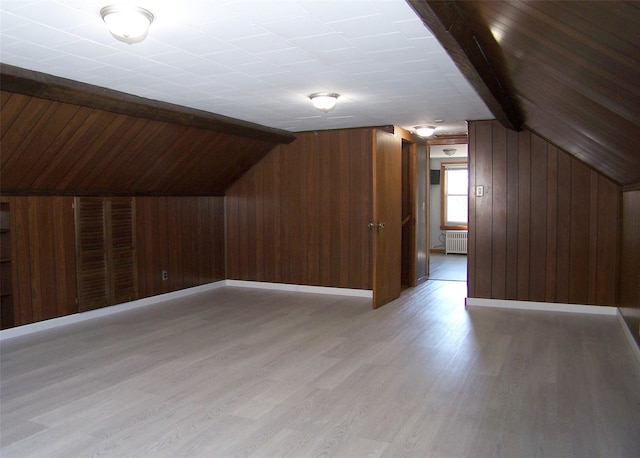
(563, 308)
(541, 306)
(111, 310)
(105, 311)
(301, 288)
(627, 332)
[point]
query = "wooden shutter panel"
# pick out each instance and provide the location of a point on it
(91, 253)
(122, 264)
(106, 251)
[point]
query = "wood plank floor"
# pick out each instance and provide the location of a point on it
(451, 267)
(242, 372)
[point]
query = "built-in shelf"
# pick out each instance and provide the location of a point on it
(6, 269)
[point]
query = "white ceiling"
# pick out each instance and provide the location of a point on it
(255, 60)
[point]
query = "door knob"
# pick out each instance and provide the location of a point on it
(381, 225)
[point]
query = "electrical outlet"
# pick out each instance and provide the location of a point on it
(165, 275)
(479, 191)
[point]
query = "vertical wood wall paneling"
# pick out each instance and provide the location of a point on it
(524, 212)
(593, 237)
(563, 227)
(305, 206)
(513, 166)
(538, 221)
(609, 204)
(326, 204)
(43, 237)
(579, 230)
(561, 218)
(182, 235)
(552, 223)
(499, 213)
(471, 242)
(484, 209)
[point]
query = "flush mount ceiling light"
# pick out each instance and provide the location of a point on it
(425, 131)
(127, 23)
(324, 101)
(449, 151)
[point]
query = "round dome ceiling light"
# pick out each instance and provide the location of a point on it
(425, 131)
(127, 23)
(324, 101)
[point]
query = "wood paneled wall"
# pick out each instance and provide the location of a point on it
(43, 239)
(547, 226)
(182, 235)
(630, 261)
(300, 215)
(57, 148)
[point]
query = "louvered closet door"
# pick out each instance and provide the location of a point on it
(91, 249)
(122, 268)
(106, 251)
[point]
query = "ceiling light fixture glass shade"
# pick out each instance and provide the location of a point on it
(126, 22)
(425, 131)
(324, 101)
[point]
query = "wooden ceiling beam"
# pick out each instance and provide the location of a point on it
(472, 51)
(36, 84)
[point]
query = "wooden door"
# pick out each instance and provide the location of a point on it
(122, 251)
(105, 251)
(387, 217)
(91, 251)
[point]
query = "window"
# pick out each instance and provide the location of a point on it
(455, 195)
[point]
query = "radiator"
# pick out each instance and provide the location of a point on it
(456, 242)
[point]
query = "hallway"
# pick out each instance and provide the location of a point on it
(452, 267)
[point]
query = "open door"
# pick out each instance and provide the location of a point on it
(387, 217)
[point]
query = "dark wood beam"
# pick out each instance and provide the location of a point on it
(41, 85)
(476, 54)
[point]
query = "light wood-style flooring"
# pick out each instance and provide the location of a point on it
(452, 267)
(245, 372)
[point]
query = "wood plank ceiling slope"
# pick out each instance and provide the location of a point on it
(569, 71)
(64, 137)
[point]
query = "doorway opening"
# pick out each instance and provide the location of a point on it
(448, 162)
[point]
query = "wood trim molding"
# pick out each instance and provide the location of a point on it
(31, 328)
(301, 288)
(541, 306)
(460, 139)
(41, 85)
(631, 187)
(635, 348)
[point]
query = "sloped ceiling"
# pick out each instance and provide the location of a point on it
(64, 137)
(569, 71)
